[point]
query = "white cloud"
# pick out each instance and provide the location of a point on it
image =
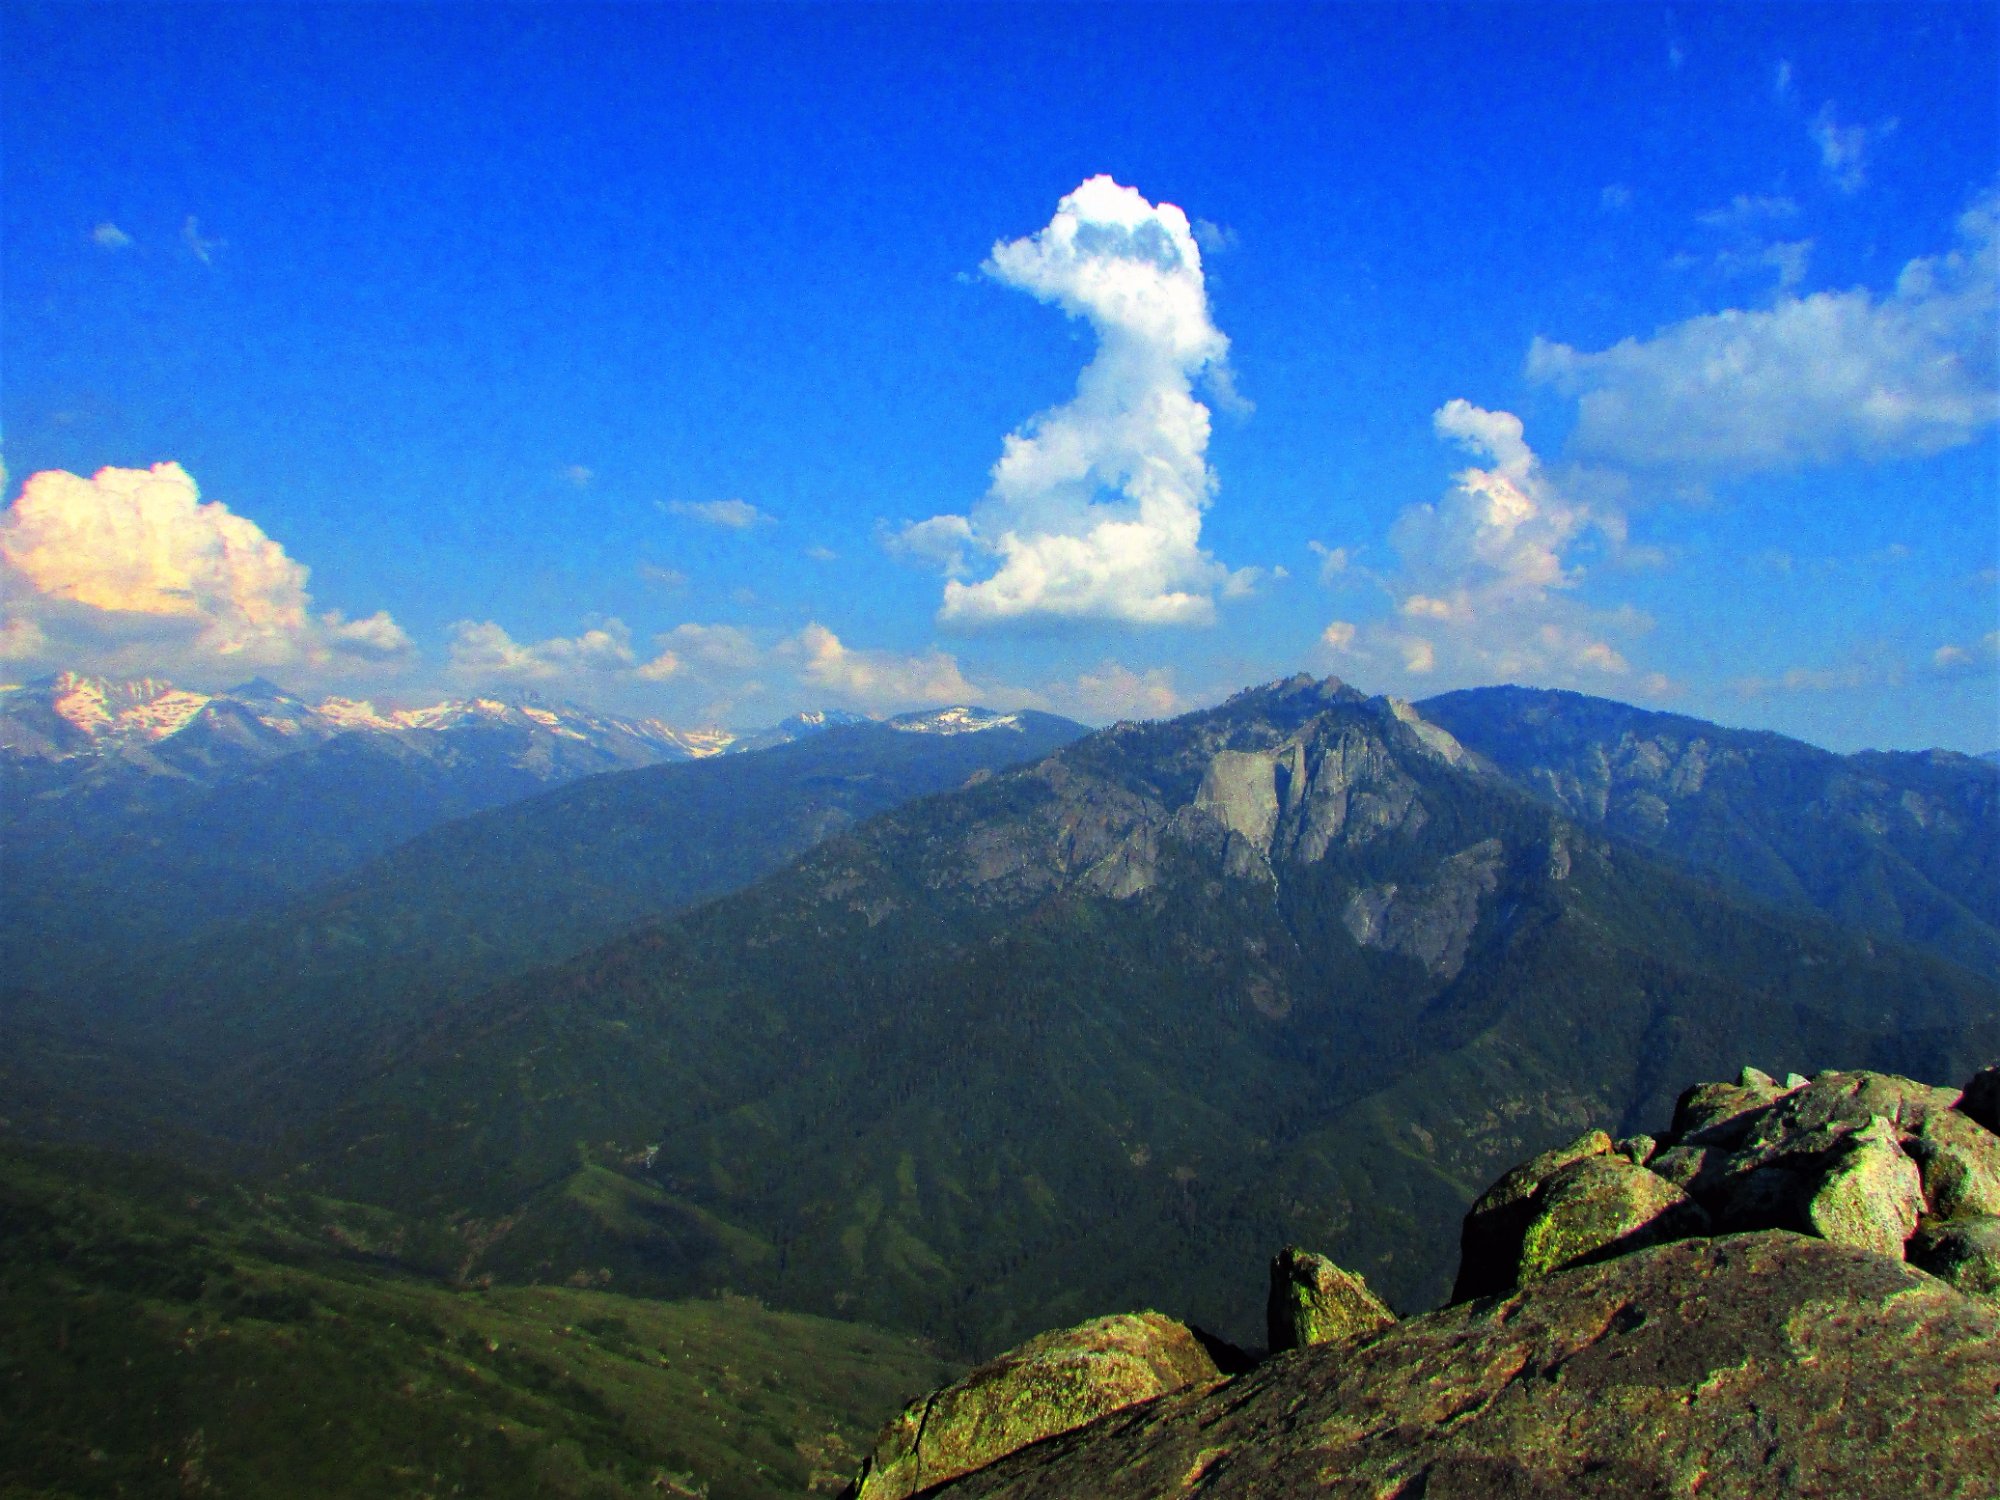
(131, 570)
(736, 515)
(483, 651)
(1485, 590)
(1095, 506)
(109, 236)
(200, 248)
(1954, 659)
(717, 647)
(1615, 198)
(822, 554)
(942, 541)
(1843, 149)
(877, 679)
(1115, 691)
(1749, 208)
(579, 475)
(1781, 78)
(1333, 561)
(1809, 380)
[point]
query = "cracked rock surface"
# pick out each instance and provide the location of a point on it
(1759, 1364)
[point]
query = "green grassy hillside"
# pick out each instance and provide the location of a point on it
(167, 1334)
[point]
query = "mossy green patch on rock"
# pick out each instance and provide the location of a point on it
(1872, 1197)
(1051, 1384)
(1314, 1301)
(1490, 1240)
(1597, 1205)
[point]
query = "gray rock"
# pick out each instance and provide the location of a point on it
(1490, 1239)
(1964, 1252)
(1051, 1384)
(1873, 1195)
(1960, 1160)
(1314, 1301)
(1600, 1205)
(1718, 1114)
(1637, 1149)
(1741, 1368)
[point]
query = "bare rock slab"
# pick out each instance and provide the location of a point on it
(1758, 1365)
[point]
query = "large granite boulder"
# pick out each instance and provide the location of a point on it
(1051, 1384)
(1862, 1159)
(1758, 1365)
(1314, 1301)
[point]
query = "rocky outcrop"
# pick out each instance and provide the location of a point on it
(1049, 1385)
(1754, 1365)
(1795, 1291)
(1314, 1301)
(1862, 1159)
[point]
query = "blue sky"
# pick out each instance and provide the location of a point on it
(716, 362)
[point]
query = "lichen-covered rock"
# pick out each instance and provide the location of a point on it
(1964, 1252)
(1981, 1099)
(1637, 1149)
(1051, 1384)
(1600, 1205)
(1490, 1241)
(1749, 1367)
(1960, 1161)
(1314, 1301)
(1717, 1114)
(1872, 1196)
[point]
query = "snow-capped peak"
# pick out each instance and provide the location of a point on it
(959, 719)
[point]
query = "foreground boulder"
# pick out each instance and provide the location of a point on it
(1051, 1384)
(1765, 1364)
(1861, 1159)
(1314, 1301)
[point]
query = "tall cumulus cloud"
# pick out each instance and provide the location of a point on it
(1095, 506)
(131, 569)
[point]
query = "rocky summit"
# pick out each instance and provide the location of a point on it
(1791, 1292)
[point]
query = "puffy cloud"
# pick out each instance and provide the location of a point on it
(1115, 691)
(736, 515)
(713, 646)
(579, 476)
(877, 679)
(131, 569)
(1095, 506)
(483, 651)
(109, 236)
(1485, 587)
(941, 541)
(1809, 380)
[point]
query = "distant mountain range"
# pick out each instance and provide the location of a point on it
(1102, 1029)
(968, 1025)
(132, 813)
(1903, 844)
(290, 1004)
